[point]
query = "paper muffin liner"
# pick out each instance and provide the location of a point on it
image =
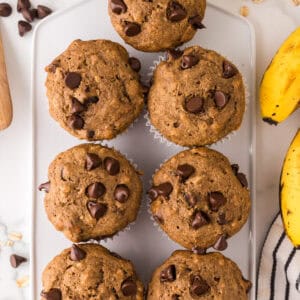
(157, 135)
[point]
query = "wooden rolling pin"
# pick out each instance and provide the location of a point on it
(5, 98)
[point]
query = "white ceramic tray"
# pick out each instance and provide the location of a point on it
(144, 244)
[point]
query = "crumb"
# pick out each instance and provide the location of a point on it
(15, 236)
(296, 2)
(23, 281)
(244, 11)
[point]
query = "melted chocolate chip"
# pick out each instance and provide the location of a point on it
(95, 190)
(52, 294)
(121, 193)
(112, 166)
(188, 61)
(198, 286)
(45, 187)
(132, 29)
(235, 168)
(229, 70)
(92, 162)
(168, 274)
(243, 179)
(175, 12)
(198, 250)
(221, 243)
(216, 200)
(77, 253)
(199, 219)
(194, 105)
(135, 64)
(220, 99)
(118, 6)
(77, 106)
(174, 53)
(76, 122)
(191, 199)
(73, 80)
(196, 22)
(129, 287)
(222, 219)
(185, 171)
(96, 210)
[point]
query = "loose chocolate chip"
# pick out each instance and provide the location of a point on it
(90, 134)
(235, 168)
(29, 14)
(132, 29)
(270, 121)
(121, 193)
(243, 179)
(165, 189)
(222, 219)
(175, 12)
(198, 286)
(91, 100)
(135, 64)
(43, 11)
(191, 199)
(175, 297)
(5, 10)
(198, 250)
(73, 80)
(92, 162)
(194, 105)
(23, 4)
(168, 274)
(45, 187)
(196, 22)
(77, 253)
(185, 171)
(24, 27)
(216, 200)
(128, 287)
(229, 70)
(200, 219)
(96, 210)
(77, 106)
(118, 6)
(53, 294)
(75, 122)
(16, 260)
(174, 53)
(112, 166)
(221, 243)
(159, 219)
(189, 61)
(220, 99)
(95, 190)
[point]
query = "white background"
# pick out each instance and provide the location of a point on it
(273, 21)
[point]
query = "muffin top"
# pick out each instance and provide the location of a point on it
(90, 272)
(199, 199)
(188, 276)
(92, 193)
(197, 97)
(155, 25)
(93, 89)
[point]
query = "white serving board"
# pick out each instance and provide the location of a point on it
(144, 244)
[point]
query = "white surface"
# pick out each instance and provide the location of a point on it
(137, 143)
(273, 21)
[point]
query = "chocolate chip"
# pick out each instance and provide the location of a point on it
(175, 297)
(194, 105)
(96, 210)
(43, 11)
(198, 250)
(235, 168)
(23, 4)
(158, 219)
(216, 200)
(270, 121)
(199, 219)
(24, 27)
(222, 219)
(196, 22)
(164, 189)
(16, 260)
(73, 80)
(118, 6)
(243, 179)
(132, 29)
(45, 187)
(76, 122)
(128, 287)
(92, 162)
(220, 99)
(153, 193)
(77, 106)
(95, 190)
(91, 100)
(191, 199)
(135, 64)
(168, 274)
(175, 12)
(112, 166)
(53, 294)
(198, 286)
(189, 61)
(5, 10)
(29, 14)
(174, 53)
(121, 193)
(221, 243)
(77, 253)
(185, 171)
(90, 134)
(229, 70)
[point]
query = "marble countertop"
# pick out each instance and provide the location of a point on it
(273, 20)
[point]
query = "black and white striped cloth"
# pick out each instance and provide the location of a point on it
(279, 270)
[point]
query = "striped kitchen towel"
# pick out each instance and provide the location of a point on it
(279, 270)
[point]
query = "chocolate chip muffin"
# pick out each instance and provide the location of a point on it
(90, 272)
(92, 193)
(154, 26)
(188, 276)
(197, 97)
(93, 89)
(199, 199)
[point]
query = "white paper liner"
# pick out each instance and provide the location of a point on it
(157, 135)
